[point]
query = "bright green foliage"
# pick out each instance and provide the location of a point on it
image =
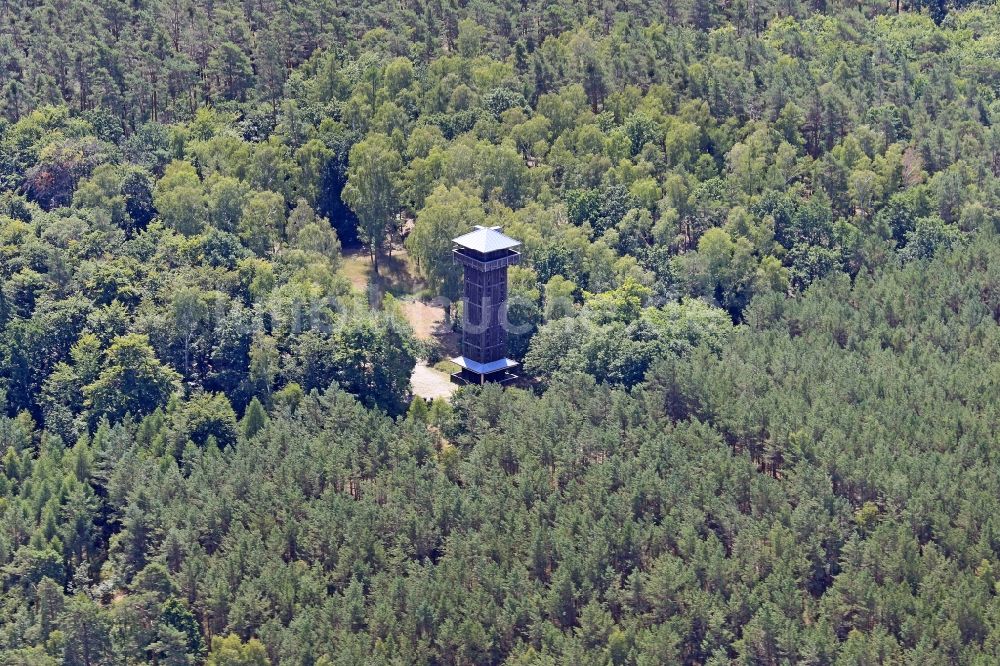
(371, 190)
(180, 200)
(418, 410)
(616, 340)
(263, 222)
(447, 213)
(559, 294)
(623, 304)
(132, 380)
(758, 291)
(231, 651)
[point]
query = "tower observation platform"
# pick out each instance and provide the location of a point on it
(485, 253)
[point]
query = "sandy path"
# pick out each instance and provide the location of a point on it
(430, 383)
(428, 324)
(426, 320)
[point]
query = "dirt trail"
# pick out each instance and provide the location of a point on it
(427, 320)
(430, 383)
(428, 324)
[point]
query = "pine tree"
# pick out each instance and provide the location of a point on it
(418, 411)
(255, 418)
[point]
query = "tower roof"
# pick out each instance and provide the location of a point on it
(486, 240)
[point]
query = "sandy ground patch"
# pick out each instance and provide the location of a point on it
(428, 324)
(426, 319)
(397, 274)
(357, 267)
(429, 383)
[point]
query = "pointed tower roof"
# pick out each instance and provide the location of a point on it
(486, 240)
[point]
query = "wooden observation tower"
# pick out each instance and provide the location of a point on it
(485, 254)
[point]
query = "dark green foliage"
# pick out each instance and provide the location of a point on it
(502, 99)
(87, 633)
(208, 417)
(178, 617)
(692, 517)
(758, 300)
(601, 209)
(137, 191)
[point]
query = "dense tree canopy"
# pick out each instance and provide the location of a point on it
(759, 303)
(819, 488)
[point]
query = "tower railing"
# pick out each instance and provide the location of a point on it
(469, 258)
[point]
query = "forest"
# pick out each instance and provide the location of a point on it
(759, 307)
